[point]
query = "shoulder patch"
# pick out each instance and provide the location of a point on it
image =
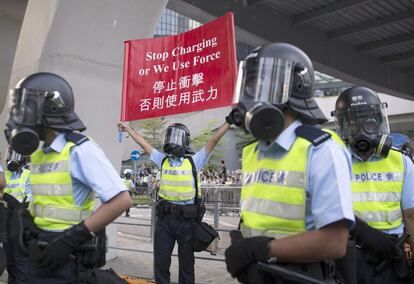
(314, 135)
(76, 138)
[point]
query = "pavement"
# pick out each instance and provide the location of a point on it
(134, 250)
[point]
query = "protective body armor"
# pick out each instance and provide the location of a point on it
(177, 183)
(53, 204)
(376, 191)
(16, 187)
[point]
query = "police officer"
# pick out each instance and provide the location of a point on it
(296, 198)
(65, 173)
(18, 187)
(128, 184)
(176, 210)
(382, 187)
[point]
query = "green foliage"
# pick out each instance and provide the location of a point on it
(198, 141)
(153, 131)
(243, 139)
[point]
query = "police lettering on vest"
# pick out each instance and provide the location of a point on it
(266, 176)
(372, 176)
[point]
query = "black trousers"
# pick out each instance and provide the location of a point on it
(168, 230)
(17, 263)
(64, 274)
(366, 271)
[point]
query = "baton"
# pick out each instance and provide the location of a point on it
(398, 245)
(288, 274)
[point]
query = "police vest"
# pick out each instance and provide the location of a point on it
(16, 187)
(376, 191)
(336, 137)
(127, 183)
(177, 183)
(53, 204)
(273, 197)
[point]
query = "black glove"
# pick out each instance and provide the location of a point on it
(22, 226)
(376, 241)
(245, 251)
(230, 118)
(57, 252)
(12, 202)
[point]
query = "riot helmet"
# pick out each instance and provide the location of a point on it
(362, 122)
(177, 140)
(40, 101)
(272, 78)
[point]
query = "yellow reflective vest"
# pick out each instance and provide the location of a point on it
(273, 197)
(16, 187)
(53, 204)
(177, 183)
(376, 191)
(127, 183)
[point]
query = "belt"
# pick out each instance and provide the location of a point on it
(188, 210)
(359, 244)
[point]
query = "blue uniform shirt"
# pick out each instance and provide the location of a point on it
(90, 170)
(199, 158)
(407, 195)
(328, 180)
(27, 191)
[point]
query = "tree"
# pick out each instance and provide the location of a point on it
(153, 130)
(243, 139)
(198, 141)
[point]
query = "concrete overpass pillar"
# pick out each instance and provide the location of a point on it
(83, 42)
(11, 18)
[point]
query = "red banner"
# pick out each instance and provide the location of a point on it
(188, 72)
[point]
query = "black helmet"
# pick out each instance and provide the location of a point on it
(59, 103)
(280, 73)
(39, 101)
(177, 140)
(362, 121)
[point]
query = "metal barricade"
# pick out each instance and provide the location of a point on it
(141, 195)
(222, 199)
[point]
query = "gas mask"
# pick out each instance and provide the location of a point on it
(177, 140)
(262, 91)
(174, 150)
(263, 120)
(14, 160)
(362, 122)
(24, 125)
(365, 138)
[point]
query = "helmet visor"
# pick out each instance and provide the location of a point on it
(371, 119)
(175, 136)
(25, 106)
(264, 79)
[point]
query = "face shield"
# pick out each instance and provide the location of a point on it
(371, 120)
(176, 142)
(365, 127)
(263, 88)
(25, 114)
(264, 79)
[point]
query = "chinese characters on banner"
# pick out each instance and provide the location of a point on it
(188, 72)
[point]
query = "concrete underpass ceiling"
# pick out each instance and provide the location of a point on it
(364, 42)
